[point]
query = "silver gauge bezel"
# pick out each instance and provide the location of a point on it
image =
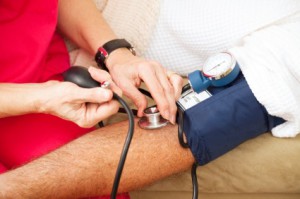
(230, 66)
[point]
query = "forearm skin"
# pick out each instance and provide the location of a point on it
(84, 24)
(19, 99)
(87, 166)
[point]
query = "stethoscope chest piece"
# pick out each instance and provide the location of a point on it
(152, 119)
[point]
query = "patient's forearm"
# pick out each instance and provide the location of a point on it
(87, 166)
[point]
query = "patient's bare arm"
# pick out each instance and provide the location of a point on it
(87, 166)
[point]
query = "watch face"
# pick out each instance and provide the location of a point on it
(219, 65)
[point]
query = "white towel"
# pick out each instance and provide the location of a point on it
(270, 61)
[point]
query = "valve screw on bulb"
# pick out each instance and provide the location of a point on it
(105, 84)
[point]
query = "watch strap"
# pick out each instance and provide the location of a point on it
(105, 50)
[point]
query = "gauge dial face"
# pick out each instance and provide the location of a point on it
(218, 65)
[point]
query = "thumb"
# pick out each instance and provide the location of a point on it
(95, 95)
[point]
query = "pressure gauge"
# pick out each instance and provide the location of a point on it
(218, 70)
(218, 65)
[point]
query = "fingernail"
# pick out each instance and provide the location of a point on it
(167, 115)
(106, 94)
(173, 120)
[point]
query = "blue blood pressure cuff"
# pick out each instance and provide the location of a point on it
(230, 116)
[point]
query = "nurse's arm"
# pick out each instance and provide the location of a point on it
(19, 99)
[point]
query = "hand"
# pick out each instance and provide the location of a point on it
(85, 107)
(129, 71)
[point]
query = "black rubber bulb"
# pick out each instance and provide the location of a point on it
(80, 76)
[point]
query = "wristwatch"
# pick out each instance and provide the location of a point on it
(218, 70)
(105, 50)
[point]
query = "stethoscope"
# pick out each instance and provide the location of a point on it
(152, 119)
(219, 70)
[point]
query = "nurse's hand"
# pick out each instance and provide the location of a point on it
(85, 107)
(128, 71)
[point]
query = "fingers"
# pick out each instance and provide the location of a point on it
(99, 75)
(177, 83)
(169, 94)
(82, 106)
(103, 76)
(135, 95)
(164, 87)
(93, 95)
(98, 103)
(74, 94)
(106, 110)
(96, 113)
(160, 88)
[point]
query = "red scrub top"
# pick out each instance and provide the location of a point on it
(31, 51)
